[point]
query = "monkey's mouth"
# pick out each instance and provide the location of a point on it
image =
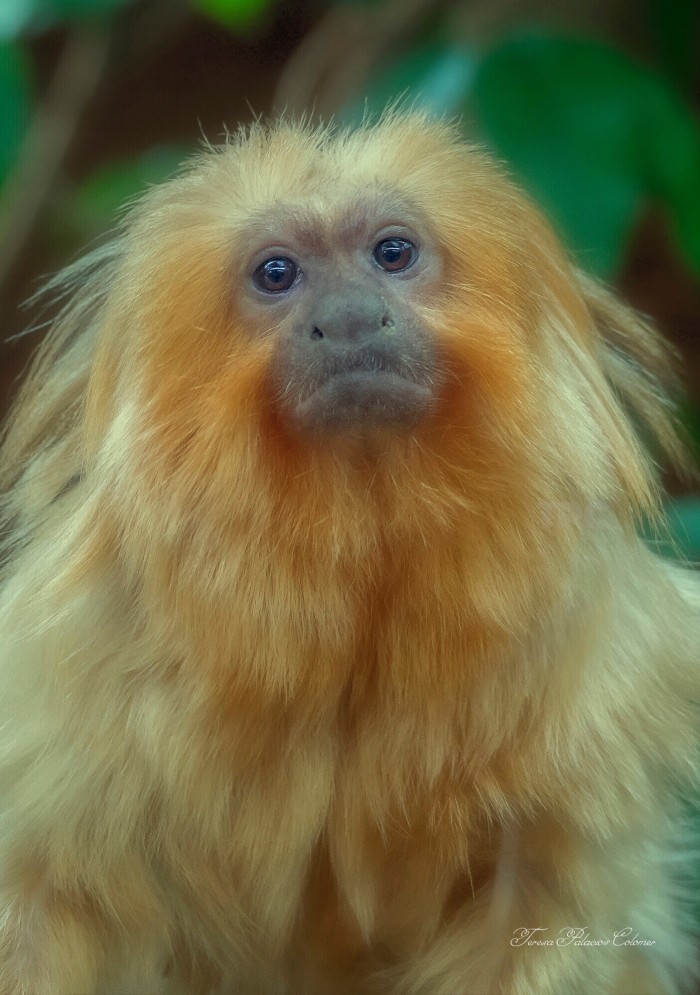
(367, 386)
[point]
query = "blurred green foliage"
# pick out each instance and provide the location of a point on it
(595, 138)
(90, 208)
(593, 135)
(18, 17)
(15, 103)
(436, 73)
(94, 205)
(235, 14)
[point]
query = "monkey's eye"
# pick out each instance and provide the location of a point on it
(394, 254)
(274, 276)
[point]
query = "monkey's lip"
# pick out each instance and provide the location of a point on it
(356, 394)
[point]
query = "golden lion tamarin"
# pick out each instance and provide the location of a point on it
(330, 660)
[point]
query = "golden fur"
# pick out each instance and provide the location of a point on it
(284, 716)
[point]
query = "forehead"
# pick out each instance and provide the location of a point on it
(317, 221)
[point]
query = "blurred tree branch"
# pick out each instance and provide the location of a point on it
(86, 59)
(335, 59)
(46, 144)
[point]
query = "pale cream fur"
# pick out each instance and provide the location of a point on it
(284, 716)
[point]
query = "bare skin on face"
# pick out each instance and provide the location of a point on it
(345, 295)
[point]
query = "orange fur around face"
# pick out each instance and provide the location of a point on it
(383, 708)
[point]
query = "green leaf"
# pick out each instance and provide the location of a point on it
(434, 75)
(15, 103)
(673, 151)
(563, 112)
(92, 208)
(594, 137)
(234, 14)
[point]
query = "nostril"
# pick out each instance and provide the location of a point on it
(317, 334)
(387, 322)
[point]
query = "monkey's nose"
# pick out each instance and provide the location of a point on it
(350, 322)
(350, 329)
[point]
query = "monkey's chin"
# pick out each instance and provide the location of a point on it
(363, 399)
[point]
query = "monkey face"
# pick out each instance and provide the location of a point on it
(309, 285)
(344, 290)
